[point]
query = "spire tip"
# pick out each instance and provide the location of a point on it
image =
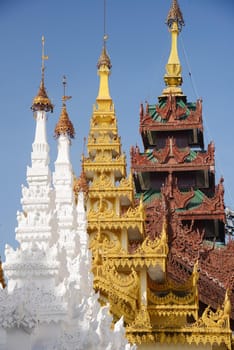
(64, 125)
(175, 15)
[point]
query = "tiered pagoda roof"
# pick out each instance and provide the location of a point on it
(175, 177)
(132, 234)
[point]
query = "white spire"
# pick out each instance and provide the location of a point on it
(35, 232)
(64, 195)
(40, 147)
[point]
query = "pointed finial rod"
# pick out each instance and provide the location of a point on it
(65, 97)
(64, 125)
(105, 36)
(104, 59)
(43, 58)
(64, 85)
(41, 101)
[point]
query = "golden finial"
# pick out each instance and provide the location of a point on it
(173, 78)
(41, 101)
(175, 15)
(104, 59)
(64, 125)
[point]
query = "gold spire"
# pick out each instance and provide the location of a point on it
(173, 78)
(41, 102)
(104, 101)
(64, 125)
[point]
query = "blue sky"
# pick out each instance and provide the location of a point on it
(138, 45)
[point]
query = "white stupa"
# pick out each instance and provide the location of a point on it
(49, 302)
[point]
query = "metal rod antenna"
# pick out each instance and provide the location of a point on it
(64, 85)
(104, 17)
(105, 36)
(43, 57)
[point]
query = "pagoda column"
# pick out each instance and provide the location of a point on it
(63, 183)
(113, 217)
(35, 261)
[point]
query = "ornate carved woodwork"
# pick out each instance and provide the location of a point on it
(216, 273)
(171, 117)
(210, 207)
(172, 158)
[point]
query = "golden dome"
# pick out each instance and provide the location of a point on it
(64, 125)
(41, 102)
(104, 59)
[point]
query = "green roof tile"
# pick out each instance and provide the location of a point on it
(149, 195)
(195, 201)
(190, 106)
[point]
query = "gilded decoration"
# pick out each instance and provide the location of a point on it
(64, 125)
(171, 301)
(41, 101)
(126, 286)
(103, 182)
(107, 162)
(102, 123)
(150, 254)
(106, 244)
(133, 217)
(211, 328)
(104, 142)
(155, 247)
(104, 59)
(137, 244)
(142, 321)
